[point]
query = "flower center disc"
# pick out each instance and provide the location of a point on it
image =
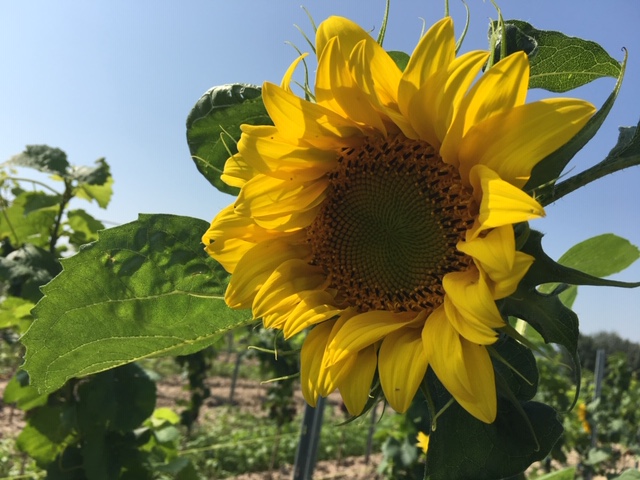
(387, 231)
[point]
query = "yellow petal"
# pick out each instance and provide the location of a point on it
(311, 355)
(423, 442)
(315, 307)
(501, 203)
(464, 368)
(256, 266)
(402, 364)
(266, 151)
(434, 52)
(500, 89)
(366, 329)
(470, 295)
(336, 89)
(355, 387)
(286, 80)
(496, 255)
(434, 105)
(513, 142)
(283, 289)
(350, 34)
(297, 119)
(237, 171)
(470, 328)
(290, 222)
(266, 196)
(378, 77)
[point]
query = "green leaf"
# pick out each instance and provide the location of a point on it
(27, 269)
(20, 228)
(546, 270)
(463, 447)
(100, 193)
(599, 256)
(564, 474)
(15, 313)
(45, 435)
(400, 58)
(42, 158)
(559, 63)
(515, 357)
(35, 201)
(143, 289)
(545, 174)
(213, 127)
(97, 175)
(84, 228)
(119, 399)
(631, 474)
(19, 391)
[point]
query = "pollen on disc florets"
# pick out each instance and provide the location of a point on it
(387, 231)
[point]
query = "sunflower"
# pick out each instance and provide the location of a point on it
(381, 214)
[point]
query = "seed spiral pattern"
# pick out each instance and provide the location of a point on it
(387, 231)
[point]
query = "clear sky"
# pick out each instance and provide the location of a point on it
(116, 79)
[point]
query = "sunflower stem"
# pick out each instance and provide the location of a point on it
(602, 169)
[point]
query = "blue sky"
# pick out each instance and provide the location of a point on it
(117, 79)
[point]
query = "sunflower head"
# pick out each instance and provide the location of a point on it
(380, 217)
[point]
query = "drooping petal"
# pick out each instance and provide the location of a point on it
(283, 289)
(256, 266)
(336, 89)
(434, 52)
(311, 355)
(465, 369)
(496, 255)
(365, 329)
(512, 142)
(434, 105)
(297, 119)
(402, 365)
(471, 296)
(501, 203)
(500, 89)
(472, 329)
(355, 386)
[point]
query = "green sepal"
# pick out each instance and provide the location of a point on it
(143, 289)
(213, 127)
(546, 173)
(559, 63)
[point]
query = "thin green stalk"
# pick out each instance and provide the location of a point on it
(594, 173)
(55, 231)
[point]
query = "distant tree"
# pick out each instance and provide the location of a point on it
(612, 343)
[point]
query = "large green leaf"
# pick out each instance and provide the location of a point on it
(463, 447)
(42, 158)
(82, 227)
(100, 193)
(213, 127)
(599, 256)
(34, 228)
(545, 174)
(143, 289)
(96, 175)
(559, 63)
